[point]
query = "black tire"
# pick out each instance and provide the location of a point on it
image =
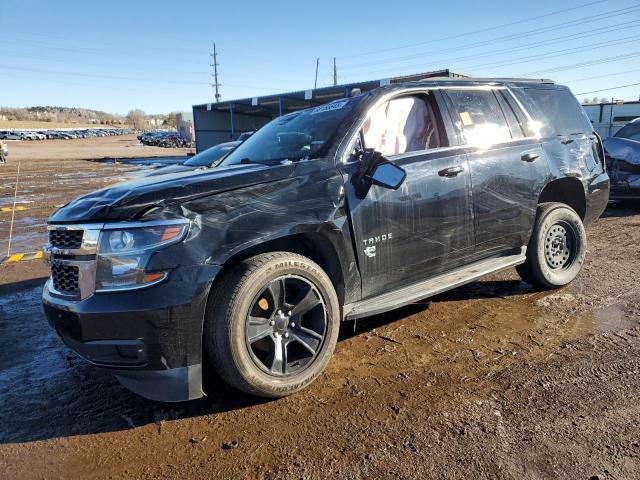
(557, 248)
(236, 309)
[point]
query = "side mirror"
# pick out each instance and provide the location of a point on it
(388, 175)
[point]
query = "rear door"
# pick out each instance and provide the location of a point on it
(508, 167)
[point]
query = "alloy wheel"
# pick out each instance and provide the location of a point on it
(286, 326)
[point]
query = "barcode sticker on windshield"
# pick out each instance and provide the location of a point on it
(329, 107)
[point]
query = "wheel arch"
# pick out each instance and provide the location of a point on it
(569, 191)
(312, 245)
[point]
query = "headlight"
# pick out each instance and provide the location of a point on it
(123, 255)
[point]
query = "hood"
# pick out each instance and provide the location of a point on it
(127, 200)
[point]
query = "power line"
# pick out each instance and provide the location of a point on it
(574, 36)
(111, 77)
(555, 53)
(110, 65)
(450, 37)
(135, 79)
(602, 76)
(612, 88)
(580, 65)
(558, 53)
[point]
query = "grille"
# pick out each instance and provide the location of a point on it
(65, 278)
(66, 239)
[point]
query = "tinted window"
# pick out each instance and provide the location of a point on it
(559, 110)
(509, 110)
(479, 116)
(630, 131)
(401, 125)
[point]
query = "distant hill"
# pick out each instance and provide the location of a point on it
(61, 115)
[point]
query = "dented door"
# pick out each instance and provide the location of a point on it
(422, 229)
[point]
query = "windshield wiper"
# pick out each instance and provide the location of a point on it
(270, 162)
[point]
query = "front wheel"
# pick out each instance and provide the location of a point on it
(557, 248)
(272, 324)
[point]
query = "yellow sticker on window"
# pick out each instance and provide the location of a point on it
(466, 118)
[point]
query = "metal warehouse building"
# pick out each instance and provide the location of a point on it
(224, 121)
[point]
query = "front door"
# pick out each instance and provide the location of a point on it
(424, 227)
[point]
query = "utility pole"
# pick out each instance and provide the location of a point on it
(215, 84)
(335, 72)
(315, 84)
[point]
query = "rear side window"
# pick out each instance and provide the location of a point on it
(479, 116)
(559, 110)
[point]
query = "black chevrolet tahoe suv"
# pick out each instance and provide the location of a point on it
(336, 212)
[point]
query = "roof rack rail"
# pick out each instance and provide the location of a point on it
(488, 79)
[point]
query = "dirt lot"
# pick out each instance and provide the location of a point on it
(492, 380)
(52, 172)
(115, 147)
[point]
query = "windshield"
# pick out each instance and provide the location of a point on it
(209, 156)
(630, 131)
(296, 136)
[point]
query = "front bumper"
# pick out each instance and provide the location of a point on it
(151, 339)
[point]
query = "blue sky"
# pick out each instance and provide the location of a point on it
(154, 55)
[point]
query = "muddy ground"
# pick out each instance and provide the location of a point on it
(492, 380)
(52, 172)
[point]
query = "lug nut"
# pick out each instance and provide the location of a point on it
(272, 323)
(289, 313)
(286, 335)
(293, 324)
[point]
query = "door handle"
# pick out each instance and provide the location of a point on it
(451, 171)
(529, 157)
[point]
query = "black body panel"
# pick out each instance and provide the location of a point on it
(414, 232)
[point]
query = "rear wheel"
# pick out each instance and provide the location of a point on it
(272, 324)
(557, 248)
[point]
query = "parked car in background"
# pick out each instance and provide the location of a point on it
(205, 159)
(336, 212)
(64, 134)
(163, 138)
(244, 135)
(623, 161)
(11, 135)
